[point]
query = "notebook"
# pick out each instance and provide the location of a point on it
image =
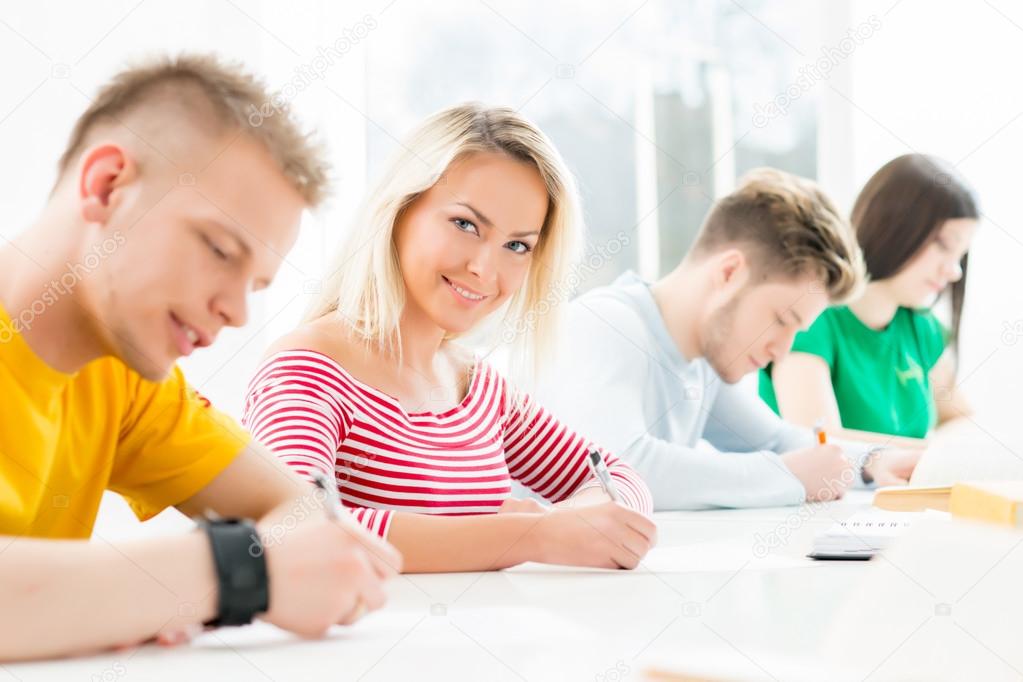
(962, 450)
(865, 534)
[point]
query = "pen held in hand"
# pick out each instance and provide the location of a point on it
(819, 433)
(329, 489)
(602, 475)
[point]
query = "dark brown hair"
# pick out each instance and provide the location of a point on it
(791, 229)
(901, 209)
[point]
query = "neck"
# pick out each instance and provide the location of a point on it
(679, 296)
(421, 340)
(876, 308)
(45, 303)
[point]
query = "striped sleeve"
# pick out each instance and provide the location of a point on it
(548, 458)
(296, 406)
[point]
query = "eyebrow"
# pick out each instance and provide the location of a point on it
(489, 223)
(799, 320)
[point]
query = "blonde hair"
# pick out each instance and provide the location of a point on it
(365, 284)
(791, 228)
(214, 96)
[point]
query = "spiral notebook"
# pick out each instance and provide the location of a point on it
(863, 535)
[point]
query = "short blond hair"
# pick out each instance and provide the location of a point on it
(790, 228)
(217, 97)
(365, 285)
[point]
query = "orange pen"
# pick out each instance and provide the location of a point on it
(822, 435)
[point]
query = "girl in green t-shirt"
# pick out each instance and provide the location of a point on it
(883, 364)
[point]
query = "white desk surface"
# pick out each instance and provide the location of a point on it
(710, 600)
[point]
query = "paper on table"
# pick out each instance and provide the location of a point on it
(713, 556)
(518, 624)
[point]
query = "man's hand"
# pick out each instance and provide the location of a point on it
(822, 469)
(322, 571)
(892, 466)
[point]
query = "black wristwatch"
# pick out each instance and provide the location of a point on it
(243, 588)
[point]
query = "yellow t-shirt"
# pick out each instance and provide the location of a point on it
(65, 438)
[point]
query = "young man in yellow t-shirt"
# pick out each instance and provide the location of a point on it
(172, 203)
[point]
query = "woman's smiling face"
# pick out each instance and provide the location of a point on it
(465, 245)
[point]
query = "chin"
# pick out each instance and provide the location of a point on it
(453, 323)
(727, 374)
(147, 367)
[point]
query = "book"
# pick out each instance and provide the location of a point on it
(962, 450)
(910, 498)
(992, 501)
(865, 534)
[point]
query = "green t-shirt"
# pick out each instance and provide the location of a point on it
(880, 377)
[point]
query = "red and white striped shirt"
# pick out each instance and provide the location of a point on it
(318, 417)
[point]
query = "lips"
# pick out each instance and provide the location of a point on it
(187, 337)
(463, 292)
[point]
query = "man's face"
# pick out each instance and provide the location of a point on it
(181, 252)
(757, 323)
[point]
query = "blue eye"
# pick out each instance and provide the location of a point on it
(519, 247)
(465, 226)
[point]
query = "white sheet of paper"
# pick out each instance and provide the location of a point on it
(715, 556)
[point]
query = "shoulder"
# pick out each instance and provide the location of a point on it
(322, 335)
(612, 314)
(308, 359)
(827, 326)
(931, 335)
(822, 337)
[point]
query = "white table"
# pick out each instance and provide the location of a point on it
(725, 606)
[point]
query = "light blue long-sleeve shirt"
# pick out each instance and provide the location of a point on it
(621, 380)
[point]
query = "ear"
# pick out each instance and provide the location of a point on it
(731, 269)
(104, 170)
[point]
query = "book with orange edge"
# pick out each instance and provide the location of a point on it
(913, 498)
(999, 502)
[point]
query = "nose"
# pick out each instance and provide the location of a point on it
(779, 346)
(480, 264)
(231, 306)
(954, 271)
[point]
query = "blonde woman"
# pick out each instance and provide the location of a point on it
(477, 217)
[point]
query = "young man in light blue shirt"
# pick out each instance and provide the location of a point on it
(650, 371)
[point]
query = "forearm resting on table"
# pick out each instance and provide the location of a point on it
(484, 542)
(65, 597)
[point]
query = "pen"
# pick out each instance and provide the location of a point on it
(332, 502)
(820, 433)
(602, 475)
